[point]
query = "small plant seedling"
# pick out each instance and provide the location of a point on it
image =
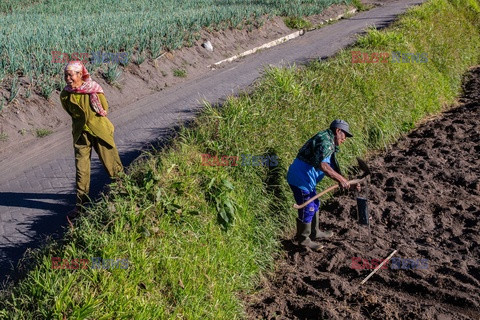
(28, 92)
(181, 73)
(43, 132)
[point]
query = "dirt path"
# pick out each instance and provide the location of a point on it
(424, 200)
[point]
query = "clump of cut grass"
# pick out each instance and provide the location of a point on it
(195, 235)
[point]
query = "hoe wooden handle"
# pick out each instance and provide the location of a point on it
(351, 182)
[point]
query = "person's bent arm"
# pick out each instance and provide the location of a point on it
(325, 167)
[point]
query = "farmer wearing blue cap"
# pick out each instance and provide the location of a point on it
(316, 159)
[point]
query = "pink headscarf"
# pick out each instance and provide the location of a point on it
(89, 86)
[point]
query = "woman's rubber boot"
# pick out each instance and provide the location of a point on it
(316, 233)
(303, 236)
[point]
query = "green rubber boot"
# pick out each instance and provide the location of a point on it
(303, 236)
(316, 233)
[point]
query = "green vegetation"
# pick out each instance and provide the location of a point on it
(195, 236)
(43, 132)
(3, 137)
(297, 23)
(112, 74)
(14, 89)
(46, 87)
(181, 73)
(31, 30)
(359, 5)
(28, 92)
(140, 58)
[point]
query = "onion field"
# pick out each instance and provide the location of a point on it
(31, 30)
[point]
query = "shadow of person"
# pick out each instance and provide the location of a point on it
(29, 234)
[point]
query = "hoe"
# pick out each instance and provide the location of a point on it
(361, 164)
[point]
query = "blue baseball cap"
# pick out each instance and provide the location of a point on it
(342, 125)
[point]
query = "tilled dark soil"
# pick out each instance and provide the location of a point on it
(424, 201)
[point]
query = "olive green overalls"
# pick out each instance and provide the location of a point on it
(90, 130)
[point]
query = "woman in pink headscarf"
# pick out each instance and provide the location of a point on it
(85, 102)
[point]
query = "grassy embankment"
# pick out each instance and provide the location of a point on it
(164, 216)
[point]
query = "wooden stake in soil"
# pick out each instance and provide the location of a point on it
(379, 266)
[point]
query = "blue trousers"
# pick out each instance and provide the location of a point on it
(305, 214)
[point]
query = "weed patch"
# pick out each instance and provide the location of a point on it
(43, 132)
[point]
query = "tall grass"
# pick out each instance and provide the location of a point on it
(165, 217)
